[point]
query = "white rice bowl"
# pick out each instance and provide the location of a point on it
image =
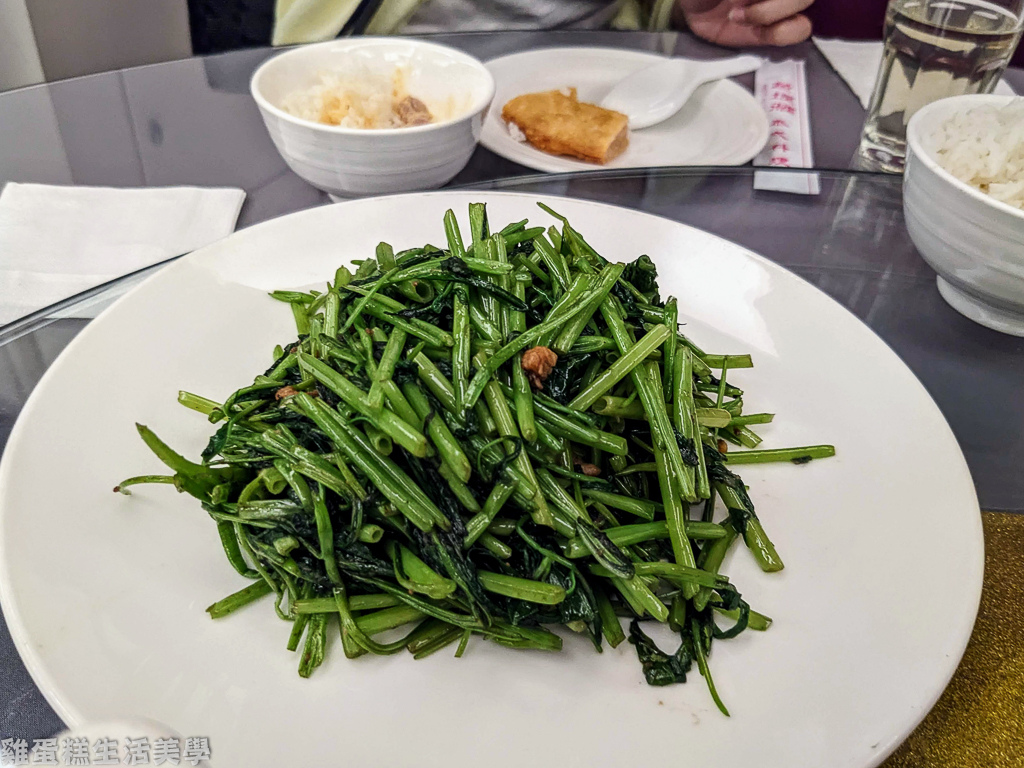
(984, 147)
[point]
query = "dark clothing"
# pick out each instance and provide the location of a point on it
(859, 20)
(849, 19)
(219, 25)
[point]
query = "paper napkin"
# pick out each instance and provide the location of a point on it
(57, 241)
(857, 63)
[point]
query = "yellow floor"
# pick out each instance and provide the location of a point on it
(979, 721)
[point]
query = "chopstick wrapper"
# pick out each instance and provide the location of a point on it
(58, 241)
(857, 62)
(781, 89)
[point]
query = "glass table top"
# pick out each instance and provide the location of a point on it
(192, 122)
(850, 241)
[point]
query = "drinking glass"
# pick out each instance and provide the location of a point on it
(934, 49)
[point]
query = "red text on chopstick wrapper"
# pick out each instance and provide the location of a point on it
(781, 88)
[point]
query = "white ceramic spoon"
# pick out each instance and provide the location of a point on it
(656, 93)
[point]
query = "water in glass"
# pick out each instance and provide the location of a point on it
(933, 49)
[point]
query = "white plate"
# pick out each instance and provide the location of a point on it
(721, 124)
(105, 594)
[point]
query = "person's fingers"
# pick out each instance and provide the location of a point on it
(720, 27)
(793, 30)
(764, 13)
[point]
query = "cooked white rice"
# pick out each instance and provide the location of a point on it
(515, 132)
(360, 97)
(984, 147)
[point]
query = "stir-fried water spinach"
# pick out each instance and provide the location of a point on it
(487, 440)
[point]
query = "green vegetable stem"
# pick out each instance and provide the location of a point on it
(487, 441)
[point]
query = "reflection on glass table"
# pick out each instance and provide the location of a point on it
(850, 241)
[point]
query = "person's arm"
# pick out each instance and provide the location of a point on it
(740, 23)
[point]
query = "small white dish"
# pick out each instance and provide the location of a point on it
(974, 242)
(652, 95)
(347, 162)
(721, 124)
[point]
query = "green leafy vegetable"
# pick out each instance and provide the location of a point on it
(486, 441)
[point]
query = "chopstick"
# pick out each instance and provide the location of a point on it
(41, 318)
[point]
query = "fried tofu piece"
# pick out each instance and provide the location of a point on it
(563, 125)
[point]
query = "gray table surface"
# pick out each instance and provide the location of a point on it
(192, 122)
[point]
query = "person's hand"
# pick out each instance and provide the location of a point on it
(739, 23)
